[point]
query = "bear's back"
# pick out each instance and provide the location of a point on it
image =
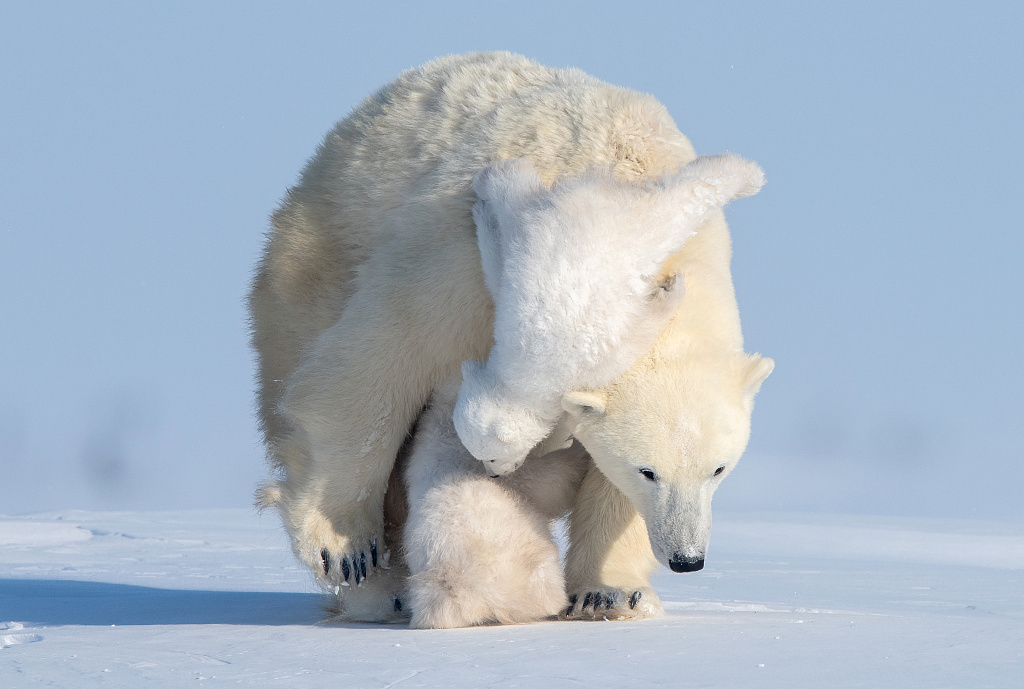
(429, 131)
(404, 160)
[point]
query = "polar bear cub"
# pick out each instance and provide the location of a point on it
(580, 287)
(479, 549)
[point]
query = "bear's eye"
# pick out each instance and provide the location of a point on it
(719, 470)
(649, 475)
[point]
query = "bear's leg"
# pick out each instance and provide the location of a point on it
(348, 428)
(382, 597)
(354, 399)
(609, 563)
(478, 552)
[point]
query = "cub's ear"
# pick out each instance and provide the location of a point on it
(713, 181)
(503, 188)
(758, 368)
(706, 183)
(581, 403)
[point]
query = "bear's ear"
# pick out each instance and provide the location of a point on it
(713, 181)
(757, 369)
(580, 403)
(503, 189)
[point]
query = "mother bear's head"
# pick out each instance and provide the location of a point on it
(666, 434)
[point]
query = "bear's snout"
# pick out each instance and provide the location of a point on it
(681, 563)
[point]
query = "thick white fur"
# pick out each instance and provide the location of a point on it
(579, 287)
(370, 292)
(480, 549)
(681, 412)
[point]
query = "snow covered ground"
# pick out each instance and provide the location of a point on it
(209, 598)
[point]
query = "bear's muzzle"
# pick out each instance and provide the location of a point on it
(681, 563)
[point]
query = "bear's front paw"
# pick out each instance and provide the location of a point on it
(339, 559)
(608, 603)
(352, 565)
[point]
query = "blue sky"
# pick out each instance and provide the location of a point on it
(143, 145)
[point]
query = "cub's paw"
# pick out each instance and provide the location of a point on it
(607, 603)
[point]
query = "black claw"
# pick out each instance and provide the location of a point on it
(362, 564)
(344, 567)
(326, 557)
(587, 600)
(373, 551)
(634, 599)
(398, 605)
(572, 604)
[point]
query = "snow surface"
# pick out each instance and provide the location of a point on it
(214, 597)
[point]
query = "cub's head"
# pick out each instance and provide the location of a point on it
(582, 286)
(667, 434)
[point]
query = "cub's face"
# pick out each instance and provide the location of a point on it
(667, 434)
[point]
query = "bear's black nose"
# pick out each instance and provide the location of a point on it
(679, 563)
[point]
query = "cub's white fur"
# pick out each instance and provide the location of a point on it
(480, 549)
(370, 295)
(680, 413)
(576, 274)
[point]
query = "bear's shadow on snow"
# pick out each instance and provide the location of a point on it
(66, 602)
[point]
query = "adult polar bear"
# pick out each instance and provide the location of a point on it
(370, 295)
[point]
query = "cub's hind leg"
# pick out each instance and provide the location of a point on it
(478, 551)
